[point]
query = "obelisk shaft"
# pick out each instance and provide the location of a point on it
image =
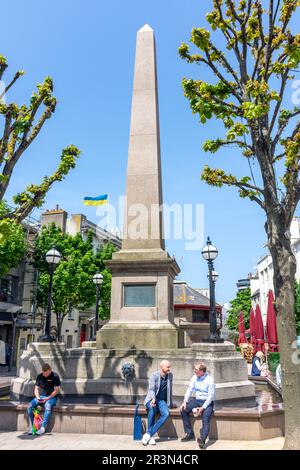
(143, 216)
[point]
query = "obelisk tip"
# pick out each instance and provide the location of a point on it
(145, 28)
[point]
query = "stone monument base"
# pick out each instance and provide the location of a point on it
(95, 375)
(138, 335)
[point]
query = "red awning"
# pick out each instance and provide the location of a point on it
(241, 329)
(260, 336)
(252, 329)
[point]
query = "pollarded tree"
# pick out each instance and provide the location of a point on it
(250, 77)
(21, 126)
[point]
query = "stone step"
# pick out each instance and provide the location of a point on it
(228, 424)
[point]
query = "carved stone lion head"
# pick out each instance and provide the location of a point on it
(128, 370)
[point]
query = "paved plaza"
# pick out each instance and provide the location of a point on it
(21, 441)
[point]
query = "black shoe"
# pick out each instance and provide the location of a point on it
(188, 437)
(201, 443)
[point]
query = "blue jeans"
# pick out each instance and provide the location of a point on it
(162, 408)
(48, 409)
(206, 416)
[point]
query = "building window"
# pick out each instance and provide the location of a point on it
(71, 315)
(9, 289)
(139, 295)
(200, 316)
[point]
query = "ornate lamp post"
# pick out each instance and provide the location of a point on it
(53, 257)
(210, 253)
(97, 280)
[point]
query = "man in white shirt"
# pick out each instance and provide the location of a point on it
(204, 388)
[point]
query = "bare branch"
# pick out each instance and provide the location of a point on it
(222, 78)
(278, 104)
(15, 156)
(226, 64)
(233, 11)
(6, 134)
(281, 128)
(17, 75)
(276, 11)
(270, 38)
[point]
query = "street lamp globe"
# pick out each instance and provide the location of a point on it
(209, 252)
(98, 279)
(215, 276)
(53, 256)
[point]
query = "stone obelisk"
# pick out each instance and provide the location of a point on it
(142, 314)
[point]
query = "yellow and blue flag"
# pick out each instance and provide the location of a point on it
(96, 201)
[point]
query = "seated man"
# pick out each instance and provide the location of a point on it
(158, 400)
(203, 386)
(45, 391)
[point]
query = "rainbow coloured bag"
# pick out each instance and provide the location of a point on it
(37, 418)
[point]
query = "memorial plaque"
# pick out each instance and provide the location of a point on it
(139, 295)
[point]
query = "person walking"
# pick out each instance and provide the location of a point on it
(203, 386)
(158, 400)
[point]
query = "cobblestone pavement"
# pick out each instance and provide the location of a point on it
(20, 440)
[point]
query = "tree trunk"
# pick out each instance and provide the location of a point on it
(284, 265)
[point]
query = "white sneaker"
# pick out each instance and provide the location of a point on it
(41, 431)
(152, 442)
(146, 438)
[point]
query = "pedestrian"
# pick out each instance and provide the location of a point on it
(47, 386)
(278, 375)
(158, 400)
(203, 386)
(258, 364)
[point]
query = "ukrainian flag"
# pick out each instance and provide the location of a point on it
(96, 201)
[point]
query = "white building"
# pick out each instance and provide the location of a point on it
(262, 281)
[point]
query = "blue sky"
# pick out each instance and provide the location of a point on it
(88, 49)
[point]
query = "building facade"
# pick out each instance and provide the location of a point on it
(262, 281)
(19, 315)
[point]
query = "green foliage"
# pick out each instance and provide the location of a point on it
(73, 286)
(297, 306)
(273, 361)
(12, 243)
(242, 302)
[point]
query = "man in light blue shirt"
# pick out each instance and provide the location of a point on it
(204, 388)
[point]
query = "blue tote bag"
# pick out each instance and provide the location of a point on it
(137, 425)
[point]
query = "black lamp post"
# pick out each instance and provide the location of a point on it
(14, 317)
(53, 257)
(97, 280)
(210, 253)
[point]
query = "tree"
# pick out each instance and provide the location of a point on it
(73, 286)
(21, 126)
(242, 302)
(12, 245)
(247, 96)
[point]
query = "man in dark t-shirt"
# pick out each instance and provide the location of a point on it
(46, 389)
